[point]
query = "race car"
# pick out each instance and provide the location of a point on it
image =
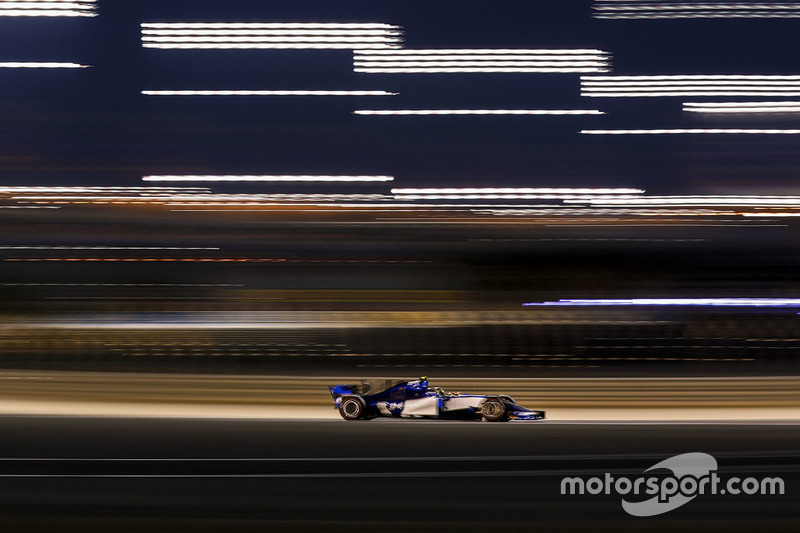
(373, 398)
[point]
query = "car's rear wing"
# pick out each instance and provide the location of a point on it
(343, 390)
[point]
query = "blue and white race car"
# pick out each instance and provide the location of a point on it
(414, 399)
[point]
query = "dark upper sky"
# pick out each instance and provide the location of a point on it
(92, 126)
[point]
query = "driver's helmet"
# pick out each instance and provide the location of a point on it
(419, 384)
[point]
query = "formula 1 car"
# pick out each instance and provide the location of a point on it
(414, 399)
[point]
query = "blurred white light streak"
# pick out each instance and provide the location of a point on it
(377, 220)
(321, 209)
(272, 39)
(41, 4)
(690, 85)
(15, 190)
(49, 8)
(149, 33)
(701, 7)
(742, 107)
(697, 85)
(281, 178)
(44, 13)
(579, 211)
(690, 77)
(391, 207)
(723, 302)
(270, 35)
(434, 207)
(486, 70)
(739, 104)
(521, 62)
(161, 200)
(692, 92)
(402, 55)
(34, 64)
(480, 60)
(483, 51)
(693, 131)
(99, 189)
(652, 5)
(387, 206)
(515, 190)
(266, 93)
(658, 10)
(478, 112)
(493, 196)
(757, 109)
(124, 199)
(702, 15)
(399, 60)
(749, 201)
(260, 46)
(268, 25)
(762, 214)
(277, 197)
(367, 57)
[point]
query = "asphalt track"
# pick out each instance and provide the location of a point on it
(145, 474)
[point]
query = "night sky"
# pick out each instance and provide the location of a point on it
(92, 126)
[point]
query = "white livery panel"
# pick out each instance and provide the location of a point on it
(462, 402)
(428, 406)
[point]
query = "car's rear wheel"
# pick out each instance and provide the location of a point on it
(352, 408)
(493, 410)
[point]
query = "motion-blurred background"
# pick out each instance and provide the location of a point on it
(150, 222)
(216, 209)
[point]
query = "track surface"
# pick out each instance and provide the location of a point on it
(110, 474)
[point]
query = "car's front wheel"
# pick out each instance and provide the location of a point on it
(493, 410)
(352, 408)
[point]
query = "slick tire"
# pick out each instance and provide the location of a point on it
(352, 408)
(493, 410)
